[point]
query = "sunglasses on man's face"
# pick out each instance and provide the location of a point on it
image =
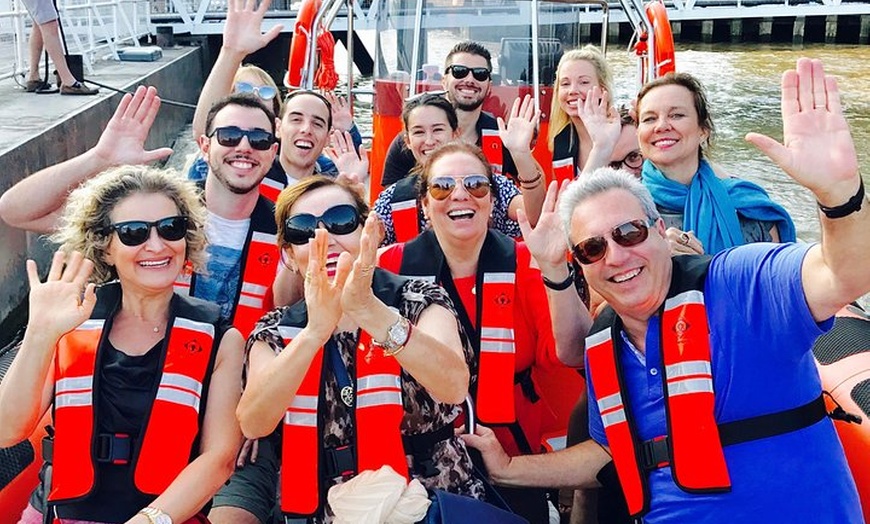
(632, 160)
(339, 220)
(231, 136)
(481, 74)
(629, 234)
(441, 187)
(136, 232)
(264, 92)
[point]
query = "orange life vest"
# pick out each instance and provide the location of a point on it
(693, 445)
(566, 150)
(500, 259)
(493, 149)
(378, 415)
(168, 441)
(259, 267)
(403, 209)
(271, 188)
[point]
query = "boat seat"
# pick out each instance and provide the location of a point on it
(515, 60)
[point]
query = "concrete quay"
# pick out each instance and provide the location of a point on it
(41, 130)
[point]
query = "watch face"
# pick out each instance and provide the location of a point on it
(163, 518)
(399, 333)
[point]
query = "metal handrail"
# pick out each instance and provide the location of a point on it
(89, 30)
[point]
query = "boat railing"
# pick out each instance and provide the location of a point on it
(93, 29)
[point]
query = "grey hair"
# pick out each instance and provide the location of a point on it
(86, 217)
(599, 181)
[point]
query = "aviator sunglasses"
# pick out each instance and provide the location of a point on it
(231, 136)
(481, 74)
(443, 186)
(338, 220)
(629, 234)
(264, 92)
(136, 232)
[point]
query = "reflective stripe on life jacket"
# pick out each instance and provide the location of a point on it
(493, 149)
(170, 431)
(404, 211)
(271, 188)
(566, 150)
(500, 258)
(377, 415)
(259, 267)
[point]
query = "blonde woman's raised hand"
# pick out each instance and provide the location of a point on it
(358, 296)
(546, 241)
(322, 294)
(517, 133)
(600, 119)
(242, 30)
(65, 299)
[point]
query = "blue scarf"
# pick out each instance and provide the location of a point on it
(711, 204)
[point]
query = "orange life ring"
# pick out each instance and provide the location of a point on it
(302, 34)
(663, 57)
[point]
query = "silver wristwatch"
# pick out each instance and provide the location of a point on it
(397, 336)
(156, 516)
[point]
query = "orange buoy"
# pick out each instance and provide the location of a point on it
(663, 52)
(297, 62)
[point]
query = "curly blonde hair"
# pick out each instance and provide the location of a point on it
(86, 217)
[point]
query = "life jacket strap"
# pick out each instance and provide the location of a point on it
(655, 453)
(421, 447)
(114, 448)
(339, 462)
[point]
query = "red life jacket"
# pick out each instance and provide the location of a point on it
(271, 188)
(259, 267)
(493, 149)
(168, 441)
(404, 209)
(693, 445)
(378, 415)
(500, 259)
(566, 150)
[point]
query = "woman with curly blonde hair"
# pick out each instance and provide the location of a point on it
(143, 382)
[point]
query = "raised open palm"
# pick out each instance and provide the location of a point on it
(59, 305)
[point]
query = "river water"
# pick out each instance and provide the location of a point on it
(743, 87)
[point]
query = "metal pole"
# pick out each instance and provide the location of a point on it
(415, 53)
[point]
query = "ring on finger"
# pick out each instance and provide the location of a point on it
(366, 269)
(684, 238)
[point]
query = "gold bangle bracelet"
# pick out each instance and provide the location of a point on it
(395, 352)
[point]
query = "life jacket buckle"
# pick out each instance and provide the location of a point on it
(655, 453)
(339, 462)
(115, 448)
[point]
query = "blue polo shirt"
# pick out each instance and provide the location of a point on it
(761, 334)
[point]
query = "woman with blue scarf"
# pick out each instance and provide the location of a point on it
(704, 213)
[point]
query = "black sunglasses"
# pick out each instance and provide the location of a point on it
(443, 186)
(629, 234)
(231, 136)
(136, 232)
(481, 74)
(338, 220)
(633, 160)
